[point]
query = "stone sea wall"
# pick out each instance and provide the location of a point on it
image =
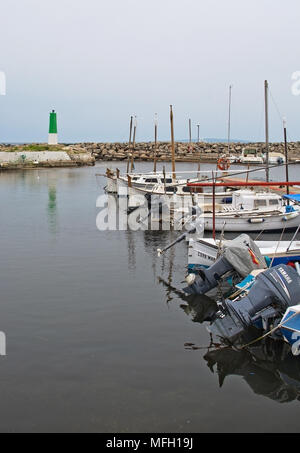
(205, 152)
(72, 155)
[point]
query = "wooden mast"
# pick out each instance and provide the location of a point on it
(286, 158)
(190, 135)
(133, 144)
(198, 139)
(172, 143)
(155, 142)
(214, 205)
(267, 129)
(229, 118)
(129, 143)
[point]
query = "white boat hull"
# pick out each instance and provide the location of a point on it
(203, 252)
(205, 197)
(252, 222)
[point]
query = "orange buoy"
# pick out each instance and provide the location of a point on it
(223, 163)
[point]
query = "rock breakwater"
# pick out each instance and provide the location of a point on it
(72, 155)
(204, 152)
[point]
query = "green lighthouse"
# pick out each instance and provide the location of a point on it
(52, 138)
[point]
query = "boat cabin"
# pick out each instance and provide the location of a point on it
(250, 200)
(148, 181)
(251, 155)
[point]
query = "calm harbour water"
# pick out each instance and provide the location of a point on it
(95, 342)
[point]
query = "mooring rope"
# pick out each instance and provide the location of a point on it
(280, 239)
(269, 332)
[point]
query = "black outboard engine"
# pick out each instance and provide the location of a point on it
(239, 257)
(273, 291)
(209, 278)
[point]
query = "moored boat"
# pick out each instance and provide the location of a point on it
(268, 302)
(274, 158)
(251, 211)
(290, 327)
(203, 252)
(250, 156)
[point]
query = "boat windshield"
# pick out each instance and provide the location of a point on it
(259, 203)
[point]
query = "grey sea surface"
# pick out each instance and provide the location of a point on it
(96, 342)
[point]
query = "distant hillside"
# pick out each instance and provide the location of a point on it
(215, 140)
(224, 140)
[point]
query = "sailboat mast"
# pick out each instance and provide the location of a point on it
(133, 144)
(129, 143)
(267, 129)
(229, 118)
(286, 157)
(190, 135)
(172, 143)
(214, 205)
(155, 142)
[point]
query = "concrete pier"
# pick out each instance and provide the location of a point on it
(12, 157)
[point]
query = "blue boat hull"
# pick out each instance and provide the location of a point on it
(277, 260)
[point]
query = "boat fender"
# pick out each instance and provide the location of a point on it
(296, 348)
(290, 216)
(190, 278)
(289, 208)
(268, 260)
(256, 220)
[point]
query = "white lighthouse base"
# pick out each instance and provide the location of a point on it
(52, 139)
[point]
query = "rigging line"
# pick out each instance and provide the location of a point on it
(279, 113)
(276, 106)
(282, 323)
(261, 121)
(271, 263)
(259, 234)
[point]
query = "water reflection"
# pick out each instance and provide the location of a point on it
(52, 209)
(268, 366)
(131, 250)
(113, 216)
(269, 369)
(152, 240)
(198, 306)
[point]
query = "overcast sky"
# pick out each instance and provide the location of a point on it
(97, 62)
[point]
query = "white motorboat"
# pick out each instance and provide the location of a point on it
(275, 158)
(250, 156)
(248, 210)
(252, 211)
(202, 252)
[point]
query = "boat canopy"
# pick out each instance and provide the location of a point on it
(293, 196)
(243, 254)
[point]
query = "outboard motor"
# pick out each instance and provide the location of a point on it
(272, 293)
(209, 278)
(240, 256)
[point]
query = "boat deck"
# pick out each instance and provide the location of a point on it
(277, 189)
